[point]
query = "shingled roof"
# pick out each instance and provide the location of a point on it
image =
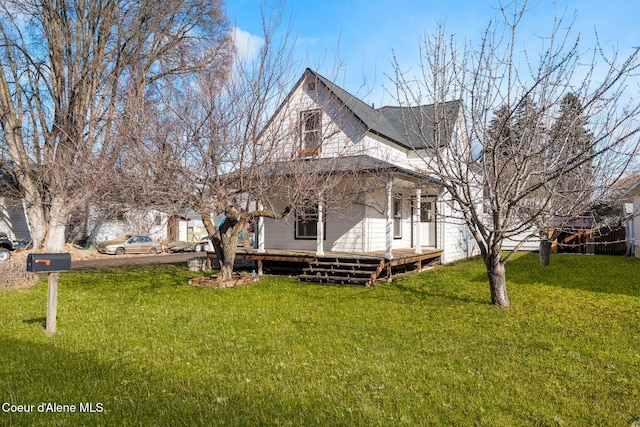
(397, 124)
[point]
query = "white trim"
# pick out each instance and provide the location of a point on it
(320, 232)
(260, 231)
(416, 223)
(389, 224)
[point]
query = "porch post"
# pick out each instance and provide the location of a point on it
(417, 212)
(320, 230)
(389, 225)
(260, 231)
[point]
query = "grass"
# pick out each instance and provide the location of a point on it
(427, 349)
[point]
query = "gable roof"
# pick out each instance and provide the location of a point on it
(396, 124)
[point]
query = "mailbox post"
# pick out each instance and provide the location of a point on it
(51, 264)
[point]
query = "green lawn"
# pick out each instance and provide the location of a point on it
(427, 349)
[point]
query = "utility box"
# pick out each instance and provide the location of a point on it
(48, 263)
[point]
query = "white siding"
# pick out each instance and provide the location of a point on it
(376, 223)
(636, 226)
(454, 236)
(343, 231)
(151, 223)
(107, 230)
(13, 219)
(382, 149)
(340, 130)
(533, 244)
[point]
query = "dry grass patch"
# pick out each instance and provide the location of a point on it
(13, 273)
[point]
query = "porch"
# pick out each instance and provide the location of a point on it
(339, 267)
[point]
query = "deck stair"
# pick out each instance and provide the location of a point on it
(351, 271)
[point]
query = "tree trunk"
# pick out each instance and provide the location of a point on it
(545, 252)
(228, 247)
(497, 280)
(58, 218)
(225, 242)
(37, 224)
(226, 268)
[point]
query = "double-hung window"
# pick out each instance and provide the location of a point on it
(310, 132)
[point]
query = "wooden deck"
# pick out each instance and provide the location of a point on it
(365, 268)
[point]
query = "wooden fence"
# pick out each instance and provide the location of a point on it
(599, 241)
(610, 241)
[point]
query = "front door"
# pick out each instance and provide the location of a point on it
(427, 221)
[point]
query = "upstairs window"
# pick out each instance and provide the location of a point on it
(310, 132)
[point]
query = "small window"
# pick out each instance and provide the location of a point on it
(306, 225)
(311, 86)
(310, 132)
(397, 217)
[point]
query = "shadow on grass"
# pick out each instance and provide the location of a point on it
(424, 292)
(132, 393)
(36, 321)
(592, 273)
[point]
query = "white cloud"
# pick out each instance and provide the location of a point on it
(247, 45)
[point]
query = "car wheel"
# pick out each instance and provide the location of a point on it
(153, 251)
(198, 248)
(4, 254)
(120, 251)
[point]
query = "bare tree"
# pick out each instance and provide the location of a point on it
(74, 74)
(240, 150)
(507, 179)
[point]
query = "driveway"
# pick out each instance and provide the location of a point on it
(117, 261)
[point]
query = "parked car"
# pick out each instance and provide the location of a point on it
(6, 247)
(203, 244)
(132, 245)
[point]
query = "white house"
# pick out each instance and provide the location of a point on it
(157, 224)
(632, 212)
(407, 212)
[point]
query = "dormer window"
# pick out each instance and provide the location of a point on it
(310, 132)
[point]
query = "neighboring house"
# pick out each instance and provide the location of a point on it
(13, 219)
(409, 212)
(632, 210)
(159, 225)
(531, 244)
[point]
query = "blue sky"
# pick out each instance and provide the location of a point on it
(364, 35)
